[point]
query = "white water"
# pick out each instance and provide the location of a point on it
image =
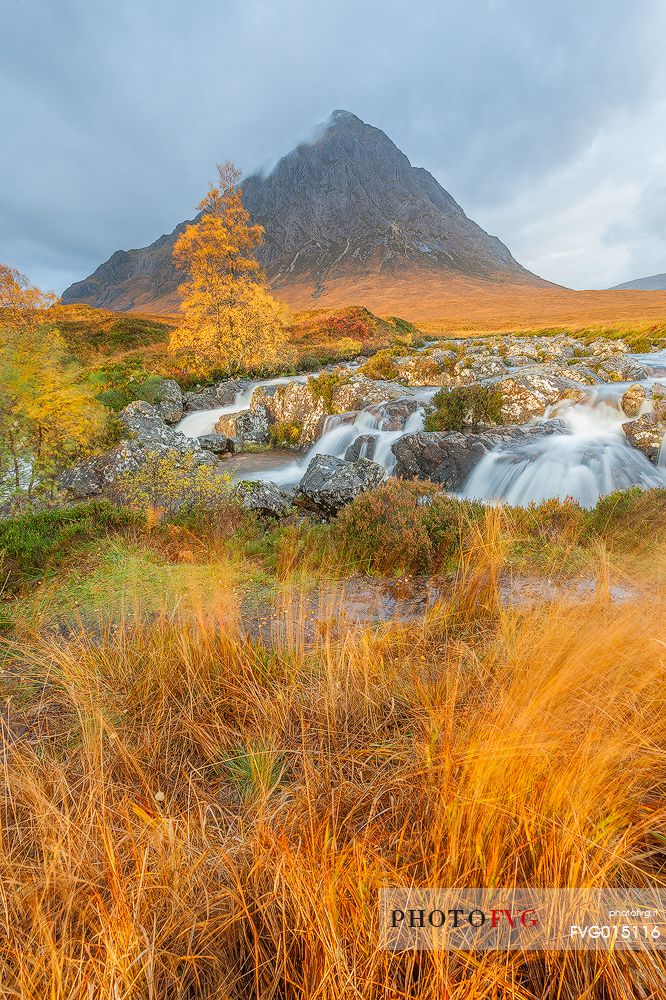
(594, 458)
(203, 421)
(590, 461)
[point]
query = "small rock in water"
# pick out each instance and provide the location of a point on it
(633, 399)
(219, 444)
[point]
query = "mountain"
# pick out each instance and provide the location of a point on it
(344, 215)
(655, 283)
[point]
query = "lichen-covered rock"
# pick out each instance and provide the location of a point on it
(169, 401)
(145, 425)
(245, 427)
(527, 395)
(473, 368)
(265, 498)
(647, 434)
(219, 444)
(360, 392)
(293, 403)
(329, 483)
(633, 399)
(623, 369)
(214, 396)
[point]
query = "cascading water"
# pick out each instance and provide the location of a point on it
(589, 462)
(203, 421)
(593, 459)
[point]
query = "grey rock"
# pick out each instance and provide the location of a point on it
(393, 416)
(145, 425)
(633, 399)
(169, 401)
(647, 434)
(219, 444)
(329, 483)
(450, 457)
(362, 447)
(246, 426)
(265, 498)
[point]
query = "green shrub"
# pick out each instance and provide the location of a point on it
(465, 406)
(324, 385)
(33, 541)
(381, 365)
(285, 434)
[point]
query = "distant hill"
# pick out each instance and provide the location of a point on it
(342, 214)
(655, 283)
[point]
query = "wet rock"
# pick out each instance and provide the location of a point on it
(363, 447)
(329, 483)
(219, 444)
(647, 434)
(449, 457)
(222, 394)
(623, 369)
(169, 401)
(245, 427)
(265, 498)
(393, 416)
(633, 399)
(145, 425)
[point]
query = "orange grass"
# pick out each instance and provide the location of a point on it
(187, 813)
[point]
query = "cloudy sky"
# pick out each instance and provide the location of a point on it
(545, 119)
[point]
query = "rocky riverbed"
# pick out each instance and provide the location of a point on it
(569, 419)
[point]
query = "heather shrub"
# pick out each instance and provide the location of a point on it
(324, 385)
(285, 434)
(465, 406)
(381, 365)
(404, 528)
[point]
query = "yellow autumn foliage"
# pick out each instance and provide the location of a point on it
(229, 320)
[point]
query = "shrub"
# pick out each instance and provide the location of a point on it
(285, 433)
(33, 541)
(465, 406)
(404, 528)
(176, 482)
(381, 365)
(324, 385)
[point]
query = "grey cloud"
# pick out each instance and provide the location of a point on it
(114, 114)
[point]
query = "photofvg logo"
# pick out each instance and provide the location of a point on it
(528, 919)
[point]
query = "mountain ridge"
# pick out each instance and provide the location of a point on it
(652, 283)
(346, 205)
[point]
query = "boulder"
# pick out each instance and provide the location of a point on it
(623, 369)
(245, 427)
(222, 394)
(475, 368)
(449, 457)
(393, 416)
(145, 425)
(362, 447)
(633, 399)
(329, 483)
(169, 401)
(360, 392)
(293, 403)
(219, 444)
(647, 434)
(527, 395)
(265, 498)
